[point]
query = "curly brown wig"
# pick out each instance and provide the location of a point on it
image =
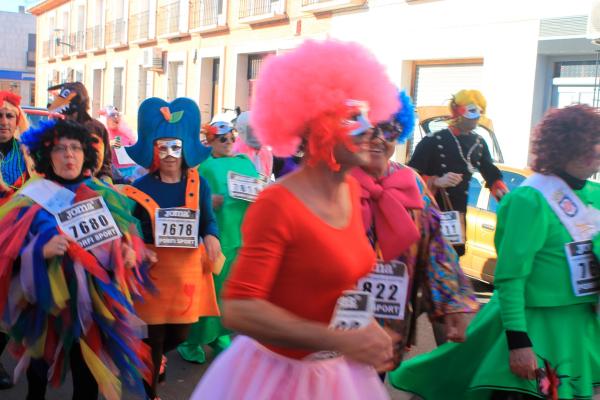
(564, 135)
(41, 140)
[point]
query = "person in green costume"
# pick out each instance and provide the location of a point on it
(539, 335)
(230, 213)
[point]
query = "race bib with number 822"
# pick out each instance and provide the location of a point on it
(388, 283)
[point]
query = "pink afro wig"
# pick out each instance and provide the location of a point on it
(302, 94)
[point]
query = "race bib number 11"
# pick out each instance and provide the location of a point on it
(176, 227)
(585, 270)
(451, 226)
(89, 222)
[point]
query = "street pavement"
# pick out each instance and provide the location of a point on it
(182, 376)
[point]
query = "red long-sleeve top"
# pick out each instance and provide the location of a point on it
(295, 260)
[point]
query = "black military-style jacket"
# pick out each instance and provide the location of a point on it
(438, 154)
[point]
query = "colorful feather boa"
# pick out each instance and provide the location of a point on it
(83, 297)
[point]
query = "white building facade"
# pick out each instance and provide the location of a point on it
(17, 54)
(524, 55)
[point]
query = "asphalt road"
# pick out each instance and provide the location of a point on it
(182, 376)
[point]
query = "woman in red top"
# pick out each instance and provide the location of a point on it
(303, 239)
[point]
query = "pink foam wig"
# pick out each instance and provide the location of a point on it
(301, 94)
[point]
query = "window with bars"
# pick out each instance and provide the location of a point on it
(118, 84)
(176, 78)
(145, 85)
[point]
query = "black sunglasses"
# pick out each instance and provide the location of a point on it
(388, 132)
(225, 139)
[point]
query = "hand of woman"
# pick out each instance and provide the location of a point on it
(213, 247)
(523, 363)
(370, 345)
(57, 246)
(456, 326)
(129, 256)
(217, 201)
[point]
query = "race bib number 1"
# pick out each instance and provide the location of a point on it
(451, 226)
(176, 227)
(388, 283)
(585, 270)
(244, 187)
(353, 310)
(89, 222)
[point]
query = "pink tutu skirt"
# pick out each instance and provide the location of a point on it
(249, 371)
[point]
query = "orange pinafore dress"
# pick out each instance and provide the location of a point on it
(182, 276)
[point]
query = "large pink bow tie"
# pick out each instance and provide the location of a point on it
(385, 205)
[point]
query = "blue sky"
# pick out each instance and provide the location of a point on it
(13, 5)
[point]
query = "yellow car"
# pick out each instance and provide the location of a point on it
(479, 261)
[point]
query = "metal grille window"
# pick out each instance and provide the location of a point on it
(145, 85)
(176, 80)
(251, 8)
(205, 12)
(168, 18)
(254, 64)
(575, 69)
(119, 75)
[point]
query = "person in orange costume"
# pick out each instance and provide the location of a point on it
(175, 210)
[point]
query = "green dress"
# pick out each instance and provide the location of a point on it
(533, 295)
(208, 330)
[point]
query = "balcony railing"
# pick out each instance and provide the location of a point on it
(93, 38)
(168, 19)
(77, 42)
(317, 6)
(252, 11)
(139, 26)
(116, 34)
(206, 15)
(61, 45)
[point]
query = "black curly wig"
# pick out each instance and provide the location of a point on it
(40, 141)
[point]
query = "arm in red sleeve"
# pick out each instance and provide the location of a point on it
(266, 232)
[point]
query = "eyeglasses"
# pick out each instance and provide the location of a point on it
(225, 139)
(62, 149)
(388, 133)
(8, 115)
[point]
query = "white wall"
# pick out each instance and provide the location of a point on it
(504, 33)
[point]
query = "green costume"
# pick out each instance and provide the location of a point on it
(533, 295)
(229, 219)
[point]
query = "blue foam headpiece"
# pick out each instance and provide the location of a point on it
(158, 119)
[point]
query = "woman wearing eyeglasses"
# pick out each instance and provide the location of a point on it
(403, 226)
(174, 206)
(78, 256)
(221, 170)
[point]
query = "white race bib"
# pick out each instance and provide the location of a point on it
(353, 310)
(89, 222)
(176, 227)
(388, 285)
(244, 187)
(585, 270)
(451, 226)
